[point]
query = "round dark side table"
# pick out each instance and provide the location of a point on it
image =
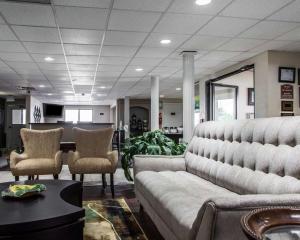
(272, 223)
(53, 215)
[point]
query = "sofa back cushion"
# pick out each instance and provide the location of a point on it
(248, 156)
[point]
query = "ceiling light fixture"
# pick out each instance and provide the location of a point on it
(49, 94)
(162, 96)
(165, 41)
(102, 87)
(41, 86)
(101, 94)
(202, 2)
(49, 59)
(68, 92)
(139, 69)
(178, 89)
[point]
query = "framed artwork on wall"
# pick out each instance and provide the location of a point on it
(287, 91)
(287, 114)
(298, 76)
(287, 106)
(287, 75)
(250, 96)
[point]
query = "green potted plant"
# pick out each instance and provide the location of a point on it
(150, 143)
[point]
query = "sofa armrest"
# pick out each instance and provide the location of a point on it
(158, 163)
(113, 158)
(15, 158)
(220, 217)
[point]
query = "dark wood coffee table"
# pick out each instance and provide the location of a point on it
(55, 214)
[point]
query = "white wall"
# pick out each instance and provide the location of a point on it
(244, 81)
(97, 118)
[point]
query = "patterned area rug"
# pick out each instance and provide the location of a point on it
(110, 220)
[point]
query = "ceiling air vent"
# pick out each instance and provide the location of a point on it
(31, 1)
(27, 89)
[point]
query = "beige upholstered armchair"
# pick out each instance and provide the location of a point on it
(41, 154)
(93, 154)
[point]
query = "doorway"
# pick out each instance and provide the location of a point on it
(231, 96)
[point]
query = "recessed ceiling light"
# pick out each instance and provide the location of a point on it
(162, 96)
(101, 94)
(139, 69)
(102, 87)
(202, 2)
(178, 89)
(49, 59)
(68, 92)
(49, 94)
(41, 86)
(165, 41)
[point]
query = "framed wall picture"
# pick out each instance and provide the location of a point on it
(287, 75)
(287, 91)
(250, 96)
(298, 76)
(287, 106)
(287, 114)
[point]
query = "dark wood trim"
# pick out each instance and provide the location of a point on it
(112, 187)
(103, 181)
(55, 176)
(81, 177)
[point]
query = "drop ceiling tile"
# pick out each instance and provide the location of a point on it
(268, 30)
(288, 13)
(239, 44)
(85, 3)
(270, 45)
(171, 63)
(131, 72)
(34, 77)
(132, 20)
(111, 68)
(146, 52)
(293, 35)
(294, 46)
(181, 23)
(47, 48)
(257, 9)
(199, 42)
(40, 58)
(82, 59)
(226, 27)
(83, 88)
(124, 38)
(23, 57)
(6, 33)
(82, 67)
(176, 39)
(17, 64)
(189, 6)
(164, 71)
(118, 51)
(220, 55)
(144, 5)
(11, 46)
(76, 74)
(107, 74)
(55, 73)
(32, 14)
(137, 61)
(82, 49)
(77, 17)
(115, 60)
(243, 56)
(81, 36)
(37, 34)
(53, 66)
(129, 80)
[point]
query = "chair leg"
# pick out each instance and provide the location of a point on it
(112, 185)
(103, 181)
(17, 178)
(55, 176)
(29, 177)
(37, 177)
(74, 177)
(141, 208)
(81, 177)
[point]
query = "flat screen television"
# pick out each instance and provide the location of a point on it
(52, 110)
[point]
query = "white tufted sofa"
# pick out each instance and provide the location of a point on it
(228, 169)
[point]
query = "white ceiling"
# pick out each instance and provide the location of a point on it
(100, 43)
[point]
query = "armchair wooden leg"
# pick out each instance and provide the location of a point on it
(55, 176)
(103, 181)
(81, 177)
(30, 177)
(141, 208)
(37, 177)
(17, 178)
(112, 185)
(74, 177)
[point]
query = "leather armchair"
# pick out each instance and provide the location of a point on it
(41, 155)
(93, 154)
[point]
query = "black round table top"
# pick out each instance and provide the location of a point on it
(49, 209)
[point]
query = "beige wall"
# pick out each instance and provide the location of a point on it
(267, 87)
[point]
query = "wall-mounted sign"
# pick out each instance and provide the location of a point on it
(287, 106)
(287, 91)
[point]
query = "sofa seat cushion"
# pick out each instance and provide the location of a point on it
(92, 165)
(177, 198)
(37, 166)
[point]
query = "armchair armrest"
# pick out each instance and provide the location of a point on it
(15, 158)
(158, 163)
(220, 217)
(72, 158)
(58, 161)
(112, 156)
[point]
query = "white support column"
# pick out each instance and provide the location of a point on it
(154, 103)
(188, 94)
(127, 115)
